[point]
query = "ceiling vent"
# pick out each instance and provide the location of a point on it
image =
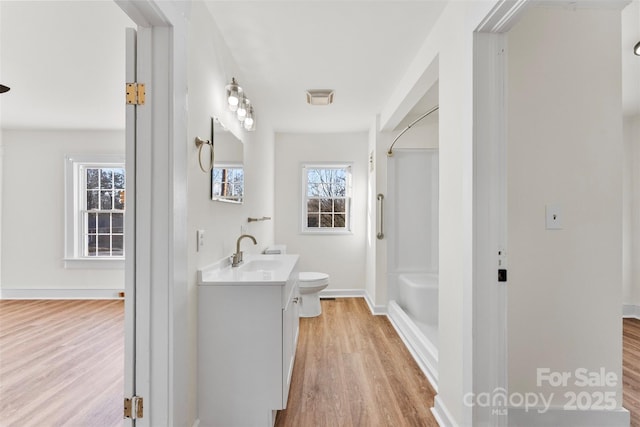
(319, 96)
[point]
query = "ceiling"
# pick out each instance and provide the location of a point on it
(64, 63)
(64, 60)
(360, 49)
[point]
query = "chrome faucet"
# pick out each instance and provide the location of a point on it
(237, 257)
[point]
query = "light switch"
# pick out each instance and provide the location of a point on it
(554, 217)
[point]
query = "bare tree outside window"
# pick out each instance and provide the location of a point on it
(227, 183)
(327, 197)
(103, 212)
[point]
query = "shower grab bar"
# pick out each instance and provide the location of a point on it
(380, 234)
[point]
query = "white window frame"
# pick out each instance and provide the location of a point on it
(348, 199)
(73, 245)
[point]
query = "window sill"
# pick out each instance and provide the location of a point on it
(94, 263)
(326, 232)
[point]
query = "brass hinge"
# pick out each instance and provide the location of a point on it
(133, 408)
(135, 93)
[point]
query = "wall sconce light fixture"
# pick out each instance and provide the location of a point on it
(240, 104)
(636, 49)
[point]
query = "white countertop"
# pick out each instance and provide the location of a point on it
(255, 270)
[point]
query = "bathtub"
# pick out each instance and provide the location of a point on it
(414, 314)
(418, 297)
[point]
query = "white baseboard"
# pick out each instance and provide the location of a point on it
(341, 293)
(422, 351)
(60, 293)
(442, 414)
(376, 310)
(631, 311)
(559, 417)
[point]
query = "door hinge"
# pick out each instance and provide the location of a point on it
(135, 93)
(133, 408)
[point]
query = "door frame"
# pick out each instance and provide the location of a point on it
(161, 370)
(488, 331)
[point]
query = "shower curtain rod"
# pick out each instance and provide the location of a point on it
(434, 109)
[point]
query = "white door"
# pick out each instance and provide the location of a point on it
(129, 286)
(136, 378)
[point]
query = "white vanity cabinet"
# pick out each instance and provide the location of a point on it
(247, 335)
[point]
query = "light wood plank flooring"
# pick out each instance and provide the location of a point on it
(61, 363)
(631, 368)
(352, 369)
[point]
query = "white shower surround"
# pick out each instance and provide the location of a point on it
(413, 253)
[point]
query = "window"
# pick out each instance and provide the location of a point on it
(95, 210)
(102, 211)
(326, 198)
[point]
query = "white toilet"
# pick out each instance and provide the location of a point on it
(309, 284)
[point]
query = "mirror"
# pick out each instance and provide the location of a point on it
(227, 175)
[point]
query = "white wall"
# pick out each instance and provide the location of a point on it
(33, 209)
(210, 68)
(631, 216)
(564, 148)
(341, 256)
(451, 44)
(631, 167)
(371, 246)
(630, 62)
(382, 141)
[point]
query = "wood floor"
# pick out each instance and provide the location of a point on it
(631, 369)
(352, 369)
(61, 363)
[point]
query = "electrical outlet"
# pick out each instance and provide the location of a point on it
(200, 239)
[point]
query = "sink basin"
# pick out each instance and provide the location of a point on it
(260, 265)
(256, 269)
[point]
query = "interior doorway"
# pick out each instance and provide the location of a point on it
(59, 121)
(540, 287)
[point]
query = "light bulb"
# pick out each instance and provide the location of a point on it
(233, 99)
(248, 123)
(234, 91)
(242, 109)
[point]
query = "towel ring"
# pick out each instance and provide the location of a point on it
(201, 143)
